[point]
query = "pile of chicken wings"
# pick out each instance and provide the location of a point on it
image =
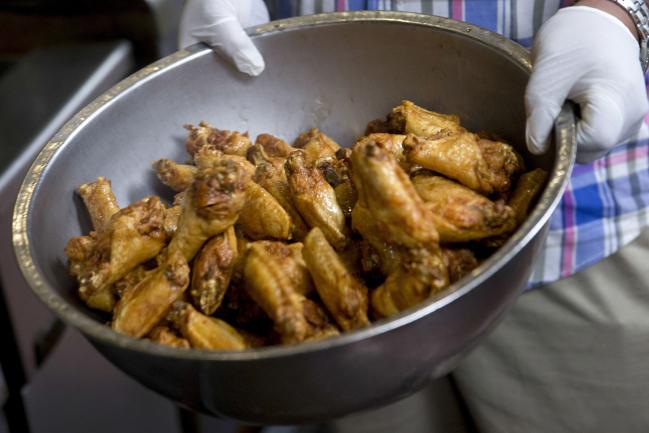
(270, 243)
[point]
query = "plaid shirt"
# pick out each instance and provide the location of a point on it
(606, 204)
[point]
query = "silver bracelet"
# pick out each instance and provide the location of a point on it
(639, 12)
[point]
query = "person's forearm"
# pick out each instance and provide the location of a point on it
(613, 9)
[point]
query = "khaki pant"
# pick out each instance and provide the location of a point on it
(569, 357)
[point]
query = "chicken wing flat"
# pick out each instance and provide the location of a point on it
(527, 189)
(229, 142)
(273, 180)
(141, 308)
(387, 192)
(213, 204)
(422, 274)
(262, 217)
(162, 334)
(100, 201)
(377, 253)
(344, 296)
(337, 172)
(459, 213)
(274, 147)
(207, 157)
(409, 118)
(315, 199)
(212, 270)
(271, 287)
(176, 176)
(133, 235)
(205, 332)
(393, 144)
(316, 145)
(483, 165)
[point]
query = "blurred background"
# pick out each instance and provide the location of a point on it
(55, 57)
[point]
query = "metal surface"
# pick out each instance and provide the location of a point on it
(336, 72)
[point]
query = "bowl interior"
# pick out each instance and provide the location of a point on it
(335, 76)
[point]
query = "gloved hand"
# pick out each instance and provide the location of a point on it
(220, 23)
(590, 57)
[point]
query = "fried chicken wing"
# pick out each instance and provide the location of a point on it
(316, 145)
(176, 176)
(274, 180)
(421, 274)
(337, 172)
(377, 253)
(133, 235)
(527, 189)
(212, 271)
(213, 204)
(344, 296)
(100, 201)
(315, 199)
(459, 213)
(409, 118)
(483, 165)
(141, 308)
(229, 142)
(262, 217)
(459, 262)
(386, 190)
(294, 318)
(205, 332)
(162, 334)
(274, 146)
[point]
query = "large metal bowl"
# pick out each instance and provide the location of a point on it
(336, 72)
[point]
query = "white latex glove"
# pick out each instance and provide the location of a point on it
(220, 23)
(590, 57)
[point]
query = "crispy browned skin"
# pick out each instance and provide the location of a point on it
(408, 118)
(141, 308)
(229, 142)
(316, 145)
(100, 201)
(386, 190)
(459, 213)
(527, 189)
(337, 172)
(344, 296)
(133, 235)
(213, 204)
(212, 271)
(176, 176)
(207, 157)
(263, 217)
(295, 318)
(315, 199)
(459, 262)
(483, 165)
(171, 219)
(377, 253)
(422, 273)
(274, 146)
(274, 181)
(205, 332)
(162, 334)
(393, 144)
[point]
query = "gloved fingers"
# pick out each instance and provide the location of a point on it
(600, 127)
(229, 39)
(546, 92)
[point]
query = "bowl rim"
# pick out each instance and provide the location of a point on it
(96, 331)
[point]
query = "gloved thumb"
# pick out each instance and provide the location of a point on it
(229, 39)
(539, 126)
(218, 24)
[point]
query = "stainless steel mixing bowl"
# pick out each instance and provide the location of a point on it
(336, 72)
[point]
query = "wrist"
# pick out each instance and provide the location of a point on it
(614, 9)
